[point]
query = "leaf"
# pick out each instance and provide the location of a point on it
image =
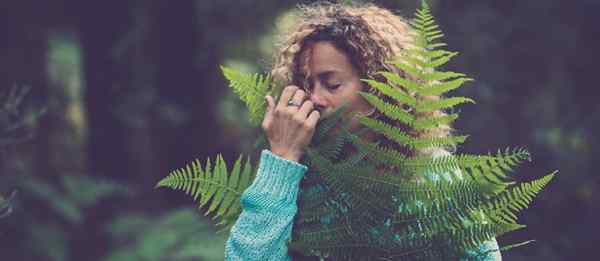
(252, 89)
(217, 183)
(393, 111)
(444, 103)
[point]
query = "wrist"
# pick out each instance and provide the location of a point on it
(291, 157)
(288, 155)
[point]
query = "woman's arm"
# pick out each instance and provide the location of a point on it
(264, 227)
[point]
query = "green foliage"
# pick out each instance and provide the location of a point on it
(216, 183)
(15, 117)
(252, 89)
(6, 205)
(49, 239)
(46, 216)
(177, 235)
(73, 195)
(380, 202)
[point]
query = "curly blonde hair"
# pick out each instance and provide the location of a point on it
(370, 36)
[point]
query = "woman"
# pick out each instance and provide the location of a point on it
(321, 62)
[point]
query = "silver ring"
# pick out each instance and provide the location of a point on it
(292, 103)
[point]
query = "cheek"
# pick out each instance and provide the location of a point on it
(342, 98)
(354, 99)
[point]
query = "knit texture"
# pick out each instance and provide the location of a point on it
(268, 208)
(269, 205)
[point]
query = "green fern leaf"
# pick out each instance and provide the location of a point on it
(252, 89)
(392, 111)
(441, 76)
(505, 206)
(392, 92)
(410, 69)
(429, 106)
(433, 122)
(381, 155)
(389, 131)
(215, 185)
(441, 60)
(442, 88)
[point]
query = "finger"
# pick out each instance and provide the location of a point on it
(270, 103)
(313, 118)
(299, 96)
(306, 108)
(286, 95)
(269, 113)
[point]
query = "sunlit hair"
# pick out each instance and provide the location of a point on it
(369, 35)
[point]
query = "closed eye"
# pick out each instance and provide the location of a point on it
(332, 86)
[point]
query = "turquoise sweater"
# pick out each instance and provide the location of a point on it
(264, 227)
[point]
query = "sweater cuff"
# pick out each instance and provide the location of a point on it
(278, 177)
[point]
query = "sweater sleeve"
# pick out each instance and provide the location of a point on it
(264, 227)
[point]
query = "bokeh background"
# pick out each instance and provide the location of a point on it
(101, 99)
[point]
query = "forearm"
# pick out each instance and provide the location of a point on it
(268, 208)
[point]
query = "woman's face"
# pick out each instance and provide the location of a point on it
(332, 80)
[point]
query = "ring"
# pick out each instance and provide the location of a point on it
(292, 103)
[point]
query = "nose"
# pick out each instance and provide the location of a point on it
(317, 96)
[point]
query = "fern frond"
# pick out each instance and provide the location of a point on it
(332, 175)
(473, 236)
(391, 132)
(443, 87)
(401, 138)
(217, 185)
(392, 111)
(410, 69)
(437, 62)
(433, 122)
(440, 76)
(393, 78)
(379, 154)
(505, 206)
(392, 92)
(444, 103)
(501, 162)
(332, 148)
(325, 126)
(252, 89)
(318, 237)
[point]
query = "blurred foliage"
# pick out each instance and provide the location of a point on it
(177, 235)
(51, 221)
(48, 217)
(16, 118)
(6, 205)
(15, 127)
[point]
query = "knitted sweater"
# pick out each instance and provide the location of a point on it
(264, 227)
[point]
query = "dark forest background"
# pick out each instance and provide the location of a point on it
(122, 92)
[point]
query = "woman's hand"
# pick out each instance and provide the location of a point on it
(290, 124)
